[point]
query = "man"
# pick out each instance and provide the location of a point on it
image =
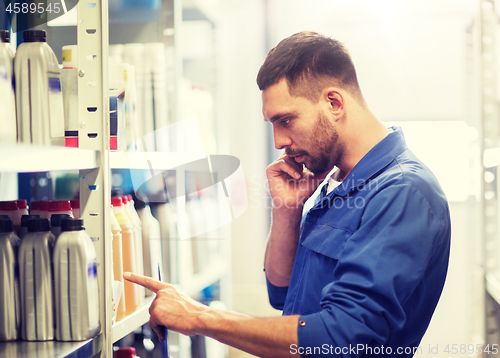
(361, 272)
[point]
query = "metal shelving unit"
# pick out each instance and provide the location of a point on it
(92, 162)
(93, 133)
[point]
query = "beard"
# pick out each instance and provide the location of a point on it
(325, 147)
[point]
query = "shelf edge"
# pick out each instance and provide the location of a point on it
(131, 322)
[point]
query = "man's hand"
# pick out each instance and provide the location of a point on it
(263, 337)
(171, 308)
(290, 183)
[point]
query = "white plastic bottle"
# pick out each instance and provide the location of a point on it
(151, 242)
(133, 54)
(36, 282)
(10, 208)
(116, 233)
(10, 315)
(8, 129)
(169, 239)
(22, 206)
(24, 224)
(155, 84)
(131, 122)
(60, 207)
(128, 251)
(22, 209)
(39, 105)
(76, 287)
(56, 223)
(69, 86)
(199, 237)
(137, 225)
(40, 208)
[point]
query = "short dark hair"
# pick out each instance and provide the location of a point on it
(310, 62)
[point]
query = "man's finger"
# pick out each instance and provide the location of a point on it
(282, 166)
(147, 282)
(297, 166)
(159, 330)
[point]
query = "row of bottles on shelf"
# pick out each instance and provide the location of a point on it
(128, 255)
(30, 244)
(31, 84)
(45, 269)
(16, 209)
(191, 234)
(139, 71)
(40, 99)
(144, 73)
(140, 241)
(49, 279)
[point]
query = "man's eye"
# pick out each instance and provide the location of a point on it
(285, 122)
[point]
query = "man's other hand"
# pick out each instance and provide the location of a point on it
(171, 307)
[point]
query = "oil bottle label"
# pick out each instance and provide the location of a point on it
(56, 107)
(93, 293)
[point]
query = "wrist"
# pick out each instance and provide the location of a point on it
(287, 203)
(221, 324)
(290, 214)
(206, 322)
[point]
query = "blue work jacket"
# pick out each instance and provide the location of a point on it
(372, 259)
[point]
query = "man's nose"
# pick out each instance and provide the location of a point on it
(281, 139)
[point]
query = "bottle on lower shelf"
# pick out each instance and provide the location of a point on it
(76, 287)
(116, 232)
(129, 257)
(36, 280)
(10, 316)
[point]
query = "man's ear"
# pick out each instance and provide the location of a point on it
(335, 101)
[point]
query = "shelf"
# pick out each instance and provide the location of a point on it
(210, 274)
(150, 160)
(23, 158)
(52, 349)
(134, 320)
